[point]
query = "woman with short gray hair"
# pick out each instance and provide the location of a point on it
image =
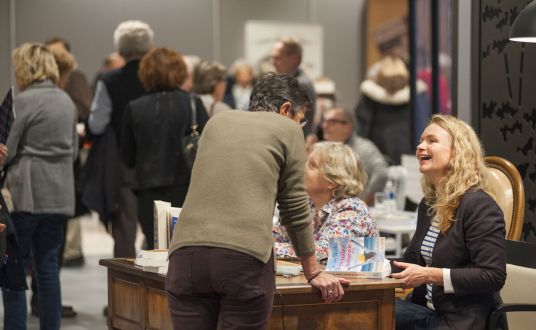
(210, 84)
(133, 38)
(334, 178)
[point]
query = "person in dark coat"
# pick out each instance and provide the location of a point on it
(153, 127)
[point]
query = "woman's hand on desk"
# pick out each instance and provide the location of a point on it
(330, 286)
(412, 275)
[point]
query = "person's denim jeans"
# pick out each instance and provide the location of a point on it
(41, 236)
(414, 316)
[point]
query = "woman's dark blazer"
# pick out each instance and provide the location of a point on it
(473, 249)
(152, 131)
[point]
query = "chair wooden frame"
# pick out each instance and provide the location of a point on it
(518, 210)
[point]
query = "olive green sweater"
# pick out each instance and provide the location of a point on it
(247, 161)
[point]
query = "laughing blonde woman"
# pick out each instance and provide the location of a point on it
(456, 260)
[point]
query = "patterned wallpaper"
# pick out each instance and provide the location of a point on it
(507, 96)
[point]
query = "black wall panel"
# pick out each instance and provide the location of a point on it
(505, 95)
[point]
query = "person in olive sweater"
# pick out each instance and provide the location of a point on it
(221, 256)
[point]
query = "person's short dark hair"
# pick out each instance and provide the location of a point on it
(162, 69)
(55, 40)
(291, 46)
(272, 90)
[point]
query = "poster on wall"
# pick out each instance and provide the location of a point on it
(260, 37)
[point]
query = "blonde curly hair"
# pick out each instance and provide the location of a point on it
(465, 171)
(340, 165)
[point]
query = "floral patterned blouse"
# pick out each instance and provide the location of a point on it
(346, 217)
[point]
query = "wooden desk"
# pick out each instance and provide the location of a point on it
(137, 300)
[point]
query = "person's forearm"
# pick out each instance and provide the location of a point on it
(310, 265)
(435, 275)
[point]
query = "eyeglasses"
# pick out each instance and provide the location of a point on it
(332, 121)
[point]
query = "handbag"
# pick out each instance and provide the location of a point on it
(189, 142)
(12, 272)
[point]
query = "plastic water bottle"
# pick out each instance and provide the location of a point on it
(390, 196)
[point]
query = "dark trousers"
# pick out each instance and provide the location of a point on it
(125, 222)
(42, 236)
(413, 316)
(206, 285)
(146, 197)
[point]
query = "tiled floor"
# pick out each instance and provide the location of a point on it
(85, 288)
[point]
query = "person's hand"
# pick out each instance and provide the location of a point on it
(412, 275)
(330, 286)
(3, 153)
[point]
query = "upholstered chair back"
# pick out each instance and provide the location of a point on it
(506, 186)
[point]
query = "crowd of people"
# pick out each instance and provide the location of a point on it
(264, 144)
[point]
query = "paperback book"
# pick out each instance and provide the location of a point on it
(165, 219)
(155, 261)
(358, 257)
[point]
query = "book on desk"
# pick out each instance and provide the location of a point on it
(358, 257)
(165, 219)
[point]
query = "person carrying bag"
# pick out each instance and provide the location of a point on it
(12, 273)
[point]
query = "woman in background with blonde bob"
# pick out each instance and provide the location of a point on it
(334, 178)
(41, 148)
(456, 260)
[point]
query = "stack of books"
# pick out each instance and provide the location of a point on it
(358, 257)
(165, 219)
(155, 261)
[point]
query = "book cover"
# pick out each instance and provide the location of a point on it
(7, 115)
(161, 211)
(172, 218)
(358, 257)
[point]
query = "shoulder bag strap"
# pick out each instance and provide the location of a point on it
(3, 175)
(194, 115)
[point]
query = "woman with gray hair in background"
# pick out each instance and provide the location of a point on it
(210, 83)
(334, 177)
(42, 147)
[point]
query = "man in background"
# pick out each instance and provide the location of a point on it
(286, 58)
(337, 126)
(132, 39)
